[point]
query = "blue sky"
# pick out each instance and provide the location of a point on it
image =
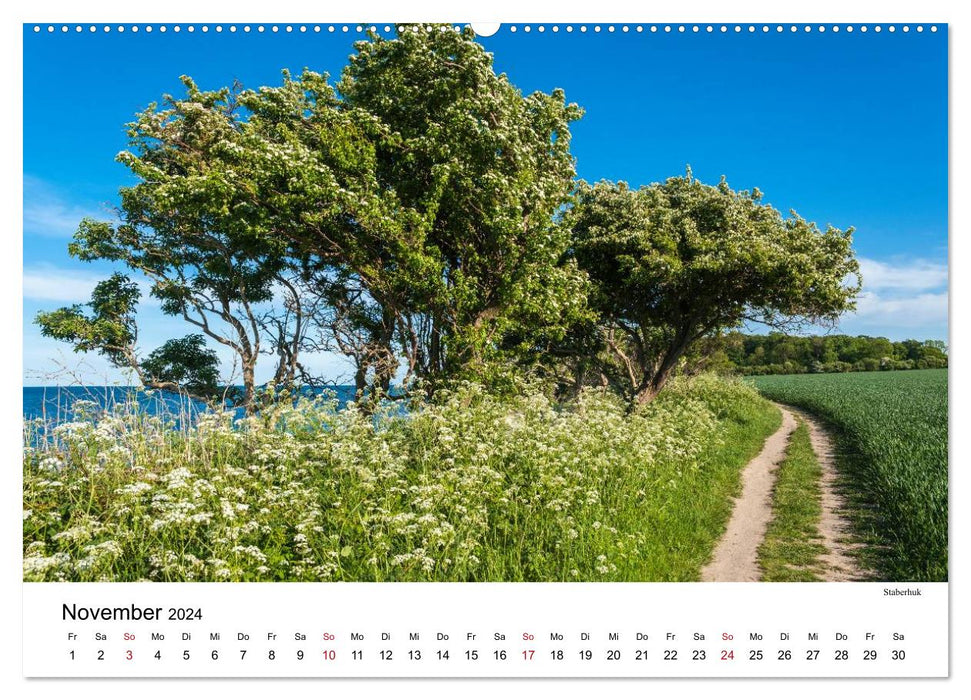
(847, 129)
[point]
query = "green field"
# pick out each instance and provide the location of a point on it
(891, 429)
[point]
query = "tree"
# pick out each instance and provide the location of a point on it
(407, 215)
(187, 363)
(183, 365)
(676, 262)
(755, 354)
(359, 252)
(189, 226)
(484, 168)
(227, 192)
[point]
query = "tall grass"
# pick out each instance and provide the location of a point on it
(470, 488)
(892, 439)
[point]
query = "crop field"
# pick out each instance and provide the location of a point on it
(472, 488)
(891, 429)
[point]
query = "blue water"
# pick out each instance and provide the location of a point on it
(59, 404)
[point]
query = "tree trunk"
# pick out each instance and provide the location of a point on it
(385, 375)
(434, 349)
(249, 387)
(649, 391)
(387, 363)
(360, 380)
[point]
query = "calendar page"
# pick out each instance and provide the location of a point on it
(451, 350)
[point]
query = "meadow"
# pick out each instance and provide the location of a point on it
(891, 430)
(472, 487)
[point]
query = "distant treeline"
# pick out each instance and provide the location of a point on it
(778, 353)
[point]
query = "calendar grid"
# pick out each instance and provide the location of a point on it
(512, 630)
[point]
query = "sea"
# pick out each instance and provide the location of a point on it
(59, 404)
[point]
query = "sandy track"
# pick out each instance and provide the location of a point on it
(736, 556)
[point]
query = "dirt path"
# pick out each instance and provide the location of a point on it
(736, 556)
(838, 562)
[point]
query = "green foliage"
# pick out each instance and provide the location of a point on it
(778, 353)
(188, 223)
(485, 168)
(892, 430)
(186, 362)
(472, 487)
(423, 212)
(675, 262)
(183, 365)
(791, 548)
(108, 329)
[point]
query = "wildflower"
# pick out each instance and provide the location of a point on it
(135, 489)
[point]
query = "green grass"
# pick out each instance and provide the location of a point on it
(891, 430)
(792, 544)
(685, 533)
(473, 487)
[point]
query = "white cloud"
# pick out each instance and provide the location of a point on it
(49, 213)
(903, 277)
(47, 282)
(901, 298)
(914, 311)
(51, 283)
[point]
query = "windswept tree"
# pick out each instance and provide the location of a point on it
(106, 325)
(357, 250)
(190, 227)
(676, 262)
(230, 186)
(484, 168)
